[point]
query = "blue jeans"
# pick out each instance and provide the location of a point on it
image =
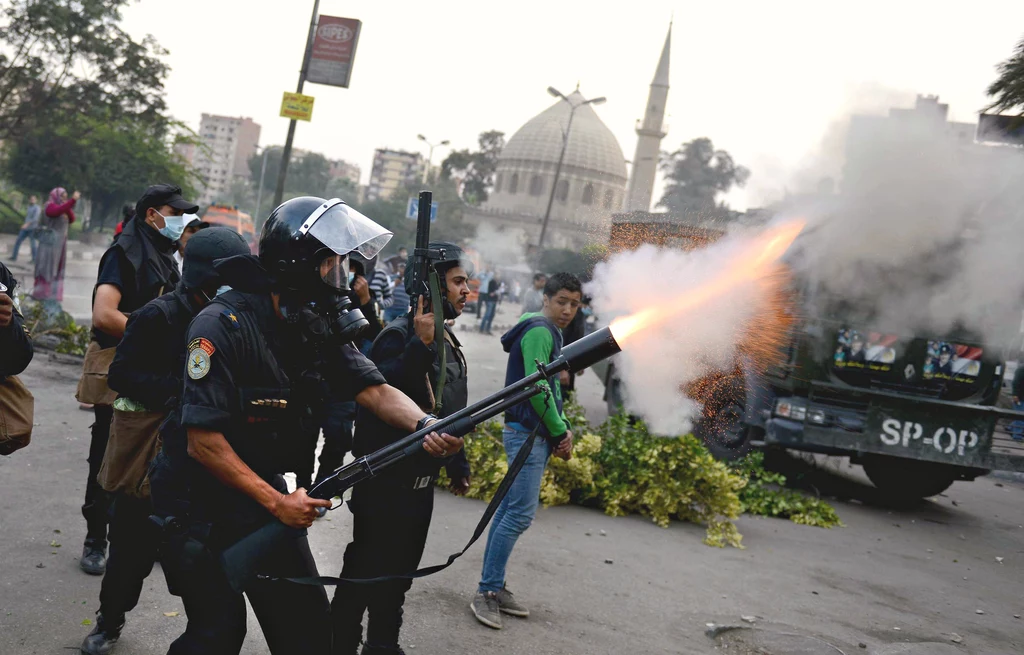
(489, 310)
(516, 511)
(30, 234)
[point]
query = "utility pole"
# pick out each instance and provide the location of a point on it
(286, 154)
(561, 156)
(430, 155)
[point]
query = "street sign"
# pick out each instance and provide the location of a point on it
(297, 106)
(413, 208)
(334, 50)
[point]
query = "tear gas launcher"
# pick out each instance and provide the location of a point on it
(241, 561)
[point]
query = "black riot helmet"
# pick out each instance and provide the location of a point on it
(304, 235)
(305, 246)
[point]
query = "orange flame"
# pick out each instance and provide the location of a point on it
(752, 263)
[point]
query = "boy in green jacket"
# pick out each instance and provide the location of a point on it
(537, 337)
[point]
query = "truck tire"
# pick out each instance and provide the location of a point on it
(903, 480)
(722, 428)
(613, 395)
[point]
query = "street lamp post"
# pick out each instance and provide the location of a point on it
(259, 193)
(561, 156)
(430, 154)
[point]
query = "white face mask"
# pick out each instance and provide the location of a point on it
(173, 227)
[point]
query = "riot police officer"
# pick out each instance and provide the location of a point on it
(392, 511)
(259, 361)
(147, 375)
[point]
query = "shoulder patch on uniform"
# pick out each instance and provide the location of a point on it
(199, 352)
(231, 319)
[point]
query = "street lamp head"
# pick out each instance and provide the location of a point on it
(421, 137)
(596, 101)
(445, 142)
(555, 92)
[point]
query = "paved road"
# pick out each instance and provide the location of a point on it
(896, 581)
(80, 273)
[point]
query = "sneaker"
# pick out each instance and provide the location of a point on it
(509, 605)
(371, 649)
(486, 609)
(103, 637)
(94, 560)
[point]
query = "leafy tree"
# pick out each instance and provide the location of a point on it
(110, 162)
(696, 174)
(1008, 89)
(308, 173)
(63, 56)
(475, 169)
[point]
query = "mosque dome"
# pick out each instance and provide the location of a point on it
(592, 180)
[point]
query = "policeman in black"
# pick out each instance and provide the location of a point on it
(15, 342)
(137, 268)
(147, 374)
(392, 511)
(259, 361)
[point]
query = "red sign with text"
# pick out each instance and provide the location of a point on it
(334, 50)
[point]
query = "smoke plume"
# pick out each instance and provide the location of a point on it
(925, 234)
(669, 357)
(921, 237)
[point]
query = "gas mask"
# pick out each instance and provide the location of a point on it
(326, 313)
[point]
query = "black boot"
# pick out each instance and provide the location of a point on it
(103, 637)
(94, 559)
(372, 649)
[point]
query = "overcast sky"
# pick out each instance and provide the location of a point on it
(763, 80)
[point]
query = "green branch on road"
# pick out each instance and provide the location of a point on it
(621, 468)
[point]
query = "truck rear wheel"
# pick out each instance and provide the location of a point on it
(722, 428)
(907, 479)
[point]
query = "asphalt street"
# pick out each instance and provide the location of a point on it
(945, 577)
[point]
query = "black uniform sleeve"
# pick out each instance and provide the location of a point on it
(405, 364)
(15, 341)
(138, 372)
(353, 372)
(210, 398)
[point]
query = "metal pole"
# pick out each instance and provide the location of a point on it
(426, 169)
(286, 154)
(259, 194)
(558, 170)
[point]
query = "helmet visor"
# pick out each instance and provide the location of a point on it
(334, 271)
(343, 229)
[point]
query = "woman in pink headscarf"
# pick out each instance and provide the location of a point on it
(53, 245)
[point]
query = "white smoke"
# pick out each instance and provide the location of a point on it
(925, 234)
(656, 364)
(923, 237)
(498, 248)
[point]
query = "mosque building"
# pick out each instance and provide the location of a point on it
(592, 181)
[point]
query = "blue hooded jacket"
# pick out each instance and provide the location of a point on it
(525, 416)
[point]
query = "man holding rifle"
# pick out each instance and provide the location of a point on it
(392, 511)
(261, 359)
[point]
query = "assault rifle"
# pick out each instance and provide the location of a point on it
(242, 560)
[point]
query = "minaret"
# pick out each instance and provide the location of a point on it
(649, 135)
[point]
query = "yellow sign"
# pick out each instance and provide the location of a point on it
(297, 106)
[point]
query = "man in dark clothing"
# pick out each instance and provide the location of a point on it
(490, 299)
(392, 512)
(15, 341)
(147, 373)
(257, 363)
(137, 268)
(340, 414)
